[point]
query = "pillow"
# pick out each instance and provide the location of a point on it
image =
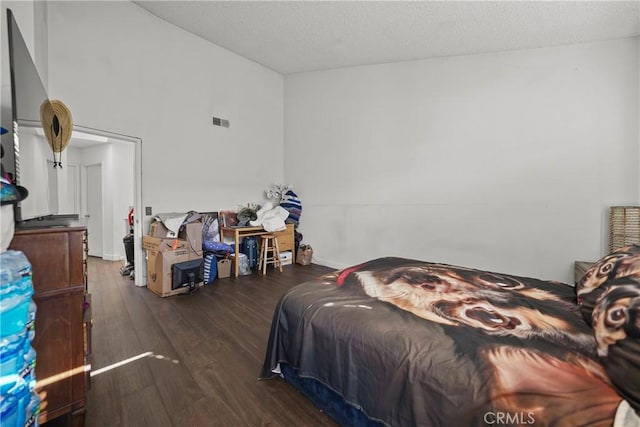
(624, 262)
(218, 247)
(616, 326)
(609, 298)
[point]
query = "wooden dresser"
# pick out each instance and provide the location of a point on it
(58, 257)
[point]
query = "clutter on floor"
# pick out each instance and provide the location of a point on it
(186, 250)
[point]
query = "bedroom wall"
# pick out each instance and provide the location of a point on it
(123, 70)
(506, 161)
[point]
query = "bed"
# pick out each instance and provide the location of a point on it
(400, 342)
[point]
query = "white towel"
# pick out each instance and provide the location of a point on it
(271, 218)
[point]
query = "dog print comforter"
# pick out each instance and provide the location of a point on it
(414, 343)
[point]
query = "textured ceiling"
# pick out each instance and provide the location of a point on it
(296, 36)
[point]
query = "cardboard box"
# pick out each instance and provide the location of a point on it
(160, 244)
(163, 252)
(158, 229)
(192, 234)
(286, 258)
(224, 268)
(161, 255)
(159, 270)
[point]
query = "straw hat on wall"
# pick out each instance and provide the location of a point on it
(57, 123)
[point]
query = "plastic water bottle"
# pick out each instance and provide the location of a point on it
(9, 410)
(15, 269)
(23, 395)
(19, 405)
(31, 320)
(33, 411)
(28, 371)
(11, 362)
(16, 289)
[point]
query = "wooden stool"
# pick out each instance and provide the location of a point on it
(269, 253)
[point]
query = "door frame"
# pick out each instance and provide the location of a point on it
(139, 260)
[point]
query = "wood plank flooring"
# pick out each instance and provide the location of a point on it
(193, 360)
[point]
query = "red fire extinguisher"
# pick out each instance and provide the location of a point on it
(130, 219)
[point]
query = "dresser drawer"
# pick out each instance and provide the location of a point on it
(56, 256)
(285, 243)
(285, 239)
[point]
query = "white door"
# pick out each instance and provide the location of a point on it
(94, 209)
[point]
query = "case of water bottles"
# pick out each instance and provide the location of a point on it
(19, 403)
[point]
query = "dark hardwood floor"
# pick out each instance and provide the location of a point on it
(190, 360)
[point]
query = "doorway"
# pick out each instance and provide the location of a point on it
(110, 181)
(94, 214)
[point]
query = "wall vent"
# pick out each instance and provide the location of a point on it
(217, 121)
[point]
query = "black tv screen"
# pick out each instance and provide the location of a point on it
(32, 165)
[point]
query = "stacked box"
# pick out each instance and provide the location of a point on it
(190, 232)
(286, 258)
(161, 255)
(20, 404)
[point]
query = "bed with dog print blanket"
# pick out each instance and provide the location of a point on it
(412, 343)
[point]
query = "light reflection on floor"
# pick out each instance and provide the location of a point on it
(133, 359)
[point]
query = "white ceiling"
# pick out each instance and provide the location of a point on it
(297, 36)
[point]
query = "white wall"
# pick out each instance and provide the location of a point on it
(120, 69)
(69, 185)
(503, 161)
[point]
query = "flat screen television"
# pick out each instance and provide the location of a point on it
(33, 158)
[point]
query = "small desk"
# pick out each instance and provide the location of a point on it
(286, 239)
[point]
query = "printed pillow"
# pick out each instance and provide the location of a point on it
(609, 298)
(616, 326)
(624, 262)
(293, 205)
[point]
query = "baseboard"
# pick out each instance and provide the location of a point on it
(329, 263)
(112, 257)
